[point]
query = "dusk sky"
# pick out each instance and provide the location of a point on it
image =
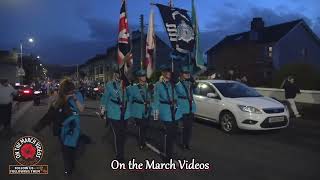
(71, 31)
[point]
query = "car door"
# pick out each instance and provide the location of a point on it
(199, 99)
(210, 107)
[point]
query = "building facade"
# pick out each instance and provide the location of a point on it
(99, 68)
(260, 52)
(8, 65)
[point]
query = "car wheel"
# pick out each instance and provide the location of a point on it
(228, 123)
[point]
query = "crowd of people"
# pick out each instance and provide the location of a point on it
(168, 101)
(171, 103)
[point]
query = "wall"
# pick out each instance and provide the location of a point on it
(306, 96)
(8, 71)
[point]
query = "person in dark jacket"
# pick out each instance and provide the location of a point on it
(291, 90)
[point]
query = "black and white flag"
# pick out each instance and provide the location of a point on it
(179, 28)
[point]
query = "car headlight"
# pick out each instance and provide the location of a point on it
(249, 109)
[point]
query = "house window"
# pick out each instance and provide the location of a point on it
(269, 51)
(304, 52)
(101, 69)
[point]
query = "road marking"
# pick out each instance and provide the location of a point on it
(154, 149)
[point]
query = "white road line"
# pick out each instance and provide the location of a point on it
(154, 149)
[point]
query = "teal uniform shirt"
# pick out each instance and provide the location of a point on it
(139, 95)
(112, 95)
(70, 130)
(160, 100)
(183, 93)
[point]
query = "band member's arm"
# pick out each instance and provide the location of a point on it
(79, 101)
(107, 95)
(155, 102)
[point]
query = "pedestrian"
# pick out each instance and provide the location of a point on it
(291, 90)
(140, 105)
(186, 104)
(69, 104)
(165, 106)
(116, 100)
(6, 98)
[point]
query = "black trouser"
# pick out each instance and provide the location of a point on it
(119, 128)
(170, 138)
(143, 125)
(5, 114)
(69, 155)
(187, 120)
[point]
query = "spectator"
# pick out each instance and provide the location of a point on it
(6, 97)
(291, 91)
(244, 79)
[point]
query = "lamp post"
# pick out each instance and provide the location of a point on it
(30, 40)
(20, 70)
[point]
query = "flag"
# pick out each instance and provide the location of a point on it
(150, 46)
(179, 28)
(124, 45)
(198, 56)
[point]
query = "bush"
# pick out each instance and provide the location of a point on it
(306, 76)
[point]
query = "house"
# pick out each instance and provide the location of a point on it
(262, 50)
(99, 68)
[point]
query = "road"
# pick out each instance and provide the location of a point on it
(291, 153)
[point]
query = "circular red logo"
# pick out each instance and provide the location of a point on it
(28, 151)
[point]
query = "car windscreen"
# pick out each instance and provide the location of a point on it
(236, 90)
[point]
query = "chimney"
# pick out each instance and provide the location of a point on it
(257, 24)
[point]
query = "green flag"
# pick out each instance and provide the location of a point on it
(199, 59)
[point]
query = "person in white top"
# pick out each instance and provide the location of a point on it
(6, 97)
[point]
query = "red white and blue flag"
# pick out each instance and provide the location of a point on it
(125, 60)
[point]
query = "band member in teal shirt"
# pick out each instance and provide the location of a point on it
(165, 105)
(116, 102)
(140, 105)
(185, 89)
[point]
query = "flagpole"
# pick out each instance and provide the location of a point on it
(142, 42)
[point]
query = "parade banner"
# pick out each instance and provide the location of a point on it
(179, 28)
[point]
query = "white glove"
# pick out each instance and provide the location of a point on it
(156, 115)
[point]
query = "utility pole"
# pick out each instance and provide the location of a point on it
(142, 42)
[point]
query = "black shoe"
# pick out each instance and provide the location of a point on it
(120, 160)
(67, 173)
(141, 147)
(186, 147)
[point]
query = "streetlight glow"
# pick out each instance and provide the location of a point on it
(30, 40)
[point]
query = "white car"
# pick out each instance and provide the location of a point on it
(234, 105)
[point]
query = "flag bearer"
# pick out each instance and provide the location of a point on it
(186, 104)
(165, 105)
(140, 105)
(118, 112)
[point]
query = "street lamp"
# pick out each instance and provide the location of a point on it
(30, 40)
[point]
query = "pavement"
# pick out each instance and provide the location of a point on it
(291, 153)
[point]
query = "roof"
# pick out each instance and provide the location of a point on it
(269, 34)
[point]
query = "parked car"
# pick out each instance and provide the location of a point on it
(25, 92)
(236, 106)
